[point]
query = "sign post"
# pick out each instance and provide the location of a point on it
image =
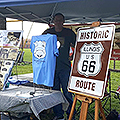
(90, 66)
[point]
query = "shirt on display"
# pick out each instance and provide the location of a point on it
(44, 52)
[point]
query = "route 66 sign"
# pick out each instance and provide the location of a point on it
(91, 60)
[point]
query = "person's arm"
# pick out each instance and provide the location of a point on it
(45, 32)
(72, 44)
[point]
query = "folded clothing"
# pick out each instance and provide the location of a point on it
(12, 80)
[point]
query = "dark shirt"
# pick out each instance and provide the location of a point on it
(65, 37)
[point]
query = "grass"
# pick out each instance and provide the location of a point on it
(26, 67)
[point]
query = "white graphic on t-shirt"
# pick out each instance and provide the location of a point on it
(39, 51)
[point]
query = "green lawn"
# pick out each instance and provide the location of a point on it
(26, 67)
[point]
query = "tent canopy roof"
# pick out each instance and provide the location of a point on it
(75, 11)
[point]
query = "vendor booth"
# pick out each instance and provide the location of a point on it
(79, 14)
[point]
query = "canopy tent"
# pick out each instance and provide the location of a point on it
(75, 11)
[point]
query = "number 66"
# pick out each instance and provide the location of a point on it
(90, 67)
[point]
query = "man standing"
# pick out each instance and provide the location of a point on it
(66, 38)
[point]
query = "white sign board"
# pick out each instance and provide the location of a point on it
(91, 60)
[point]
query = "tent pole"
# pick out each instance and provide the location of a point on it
(28, 35)
(17, 13)
(53, 12)
(25, 41)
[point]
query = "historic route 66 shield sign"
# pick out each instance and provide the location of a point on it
(91, 60)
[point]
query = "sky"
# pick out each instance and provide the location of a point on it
(29, 28)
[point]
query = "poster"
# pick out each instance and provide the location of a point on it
(10, 38)
(10, 41)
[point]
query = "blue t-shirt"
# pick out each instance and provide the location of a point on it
(44, 51)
